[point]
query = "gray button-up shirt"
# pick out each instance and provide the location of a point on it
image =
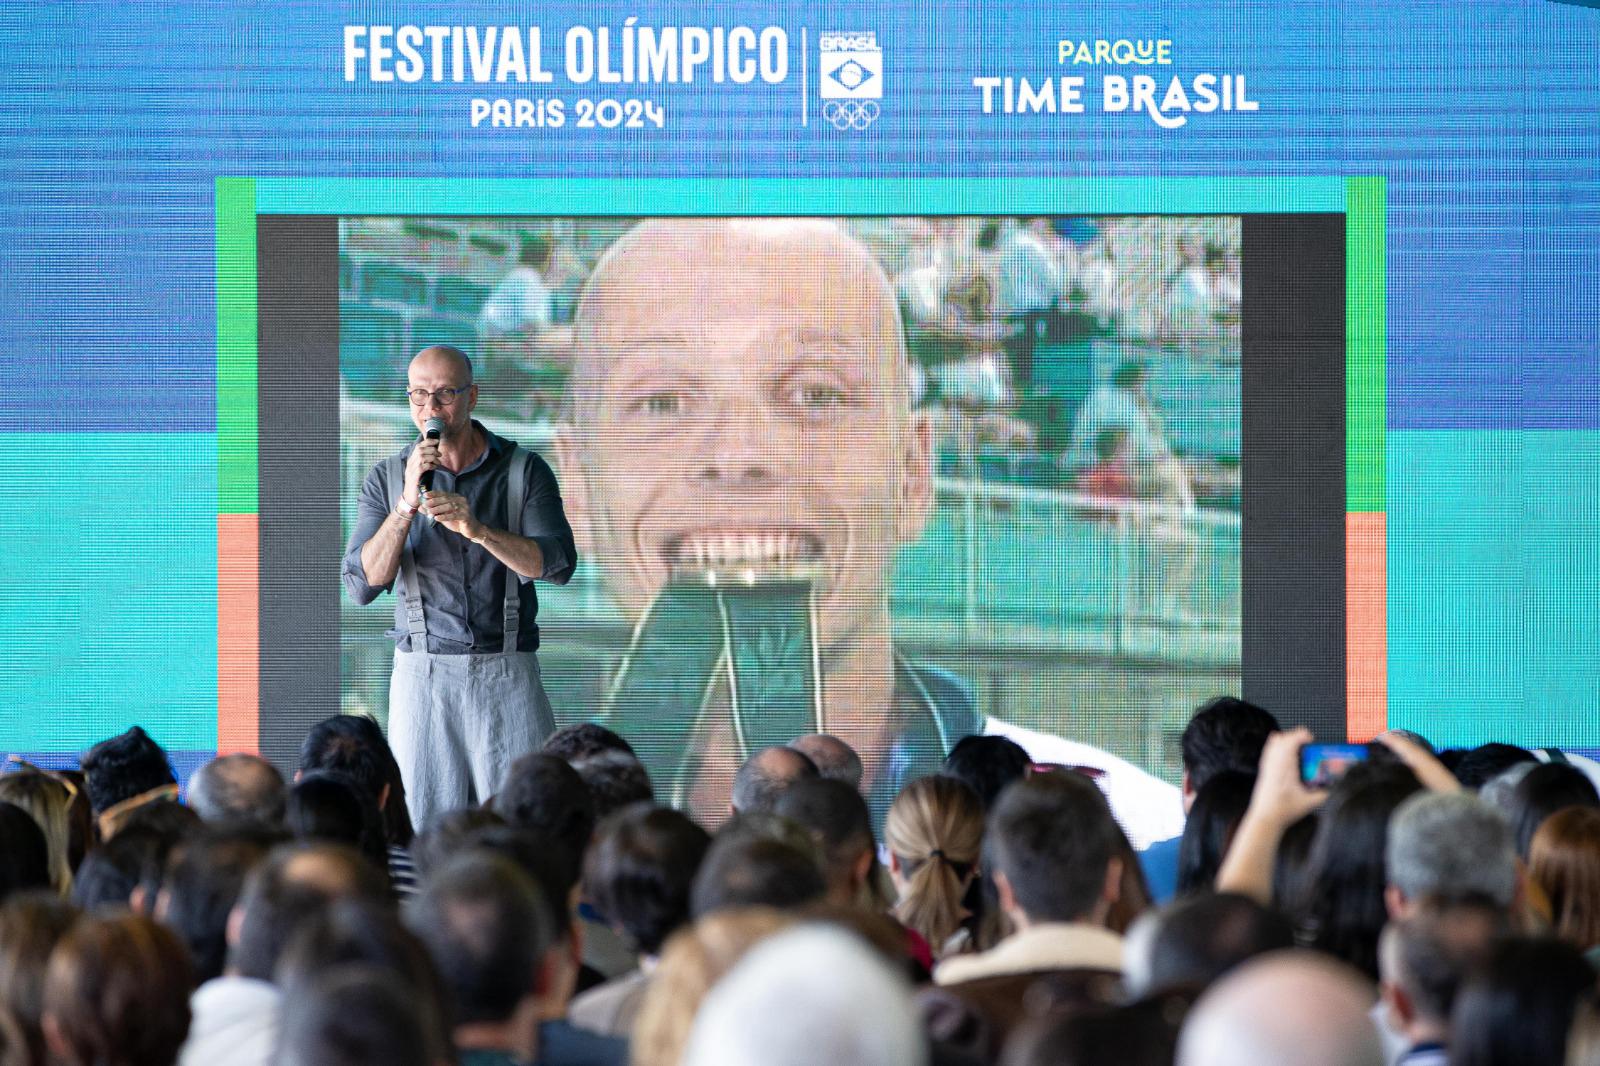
(463, 586)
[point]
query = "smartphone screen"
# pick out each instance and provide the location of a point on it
(1323, 764)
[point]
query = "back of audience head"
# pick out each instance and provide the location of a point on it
(987, 765)
(202, 885)
(355, 1015)
(1425, 957)
(355, 932)
(837, 818)
(934, 833)
(584, 740)
(1564, 862)
(1480, 765)
(541, 792)
(766, 775)
(117, 994)
(1498, 791)
(1343, 904)
(813, 994)
(323, 805)
(692, 961)
(1292, 863)
(1139, 1034)
(124, 767)
(1545, 790)
(1517, 1007)
(294, 882)
(354, 745)
(1218, 807)
(1445, 846)
(447, 834)
(127, 870)
(835, 760)
(1287, 1007)
(24, 853)
(1191, 943)
(49, 802)
(1583, 1045)
(744, 869)
(30, 927)
(615, 780)
(489, 933)
(1226, 733)
(238, 788)
(1053, 847)
(640, 872)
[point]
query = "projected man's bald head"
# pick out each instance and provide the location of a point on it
(740, 396)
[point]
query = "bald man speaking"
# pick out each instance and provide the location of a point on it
(465, 697)
(740, 422)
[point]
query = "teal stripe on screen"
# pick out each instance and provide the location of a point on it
(108, 589)
(820, 196)
(1494, 585)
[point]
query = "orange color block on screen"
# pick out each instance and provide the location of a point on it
(238, 633)
(1366, 625)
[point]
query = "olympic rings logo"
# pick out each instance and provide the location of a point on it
(850, 114)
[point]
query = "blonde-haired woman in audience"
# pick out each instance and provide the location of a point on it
(48, 802)
(693, 960)
(934, 833)
(1564, 863)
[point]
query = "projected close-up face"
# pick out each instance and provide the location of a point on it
(740, 399)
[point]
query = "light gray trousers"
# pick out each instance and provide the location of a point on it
(456, 722)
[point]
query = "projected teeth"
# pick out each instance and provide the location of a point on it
(739, 548)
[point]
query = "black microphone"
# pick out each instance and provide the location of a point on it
(432, 431)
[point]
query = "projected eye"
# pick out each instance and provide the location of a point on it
(662, 404)
(816, 398)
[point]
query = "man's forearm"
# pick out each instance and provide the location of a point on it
(519, 553)
(380, 555)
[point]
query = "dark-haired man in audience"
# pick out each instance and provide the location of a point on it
(766, 775)
(1225, 734)
(491, 936)
(1053, 846)
(238, 788)
(1424, 959)
(1191, 943)
(747, 868)
(987, 765)
(353, 746)
(834, 759)
(236, 1016)
(615, 779)
(638, 875)
(837, 818)
(124, 773)
(353, 1015)
(740, 399)
(203, 882)
(583, 739)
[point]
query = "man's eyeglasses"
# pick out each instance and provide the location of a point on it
(445, 397)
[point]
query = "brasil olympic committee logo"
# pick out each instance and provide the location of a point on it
(850, 74)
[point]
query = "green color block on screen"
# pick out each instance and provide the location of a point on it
(1365, 344)
(236, 345)
(1494, 591)
(108, 592)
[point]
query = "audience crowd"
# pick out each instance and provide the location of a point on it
(1424, 907)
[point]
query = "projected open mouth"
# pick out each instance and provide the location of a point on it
(760, 552)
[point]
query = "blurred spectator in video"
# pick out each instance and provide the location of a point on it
(834, 759)
(238, 788)
(1564, 862)
(48, 800)
(1125, 404)
(638, 875)
(117, 994)
(30, 928)
(124, 773)
(741, 388)
(523, 301)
